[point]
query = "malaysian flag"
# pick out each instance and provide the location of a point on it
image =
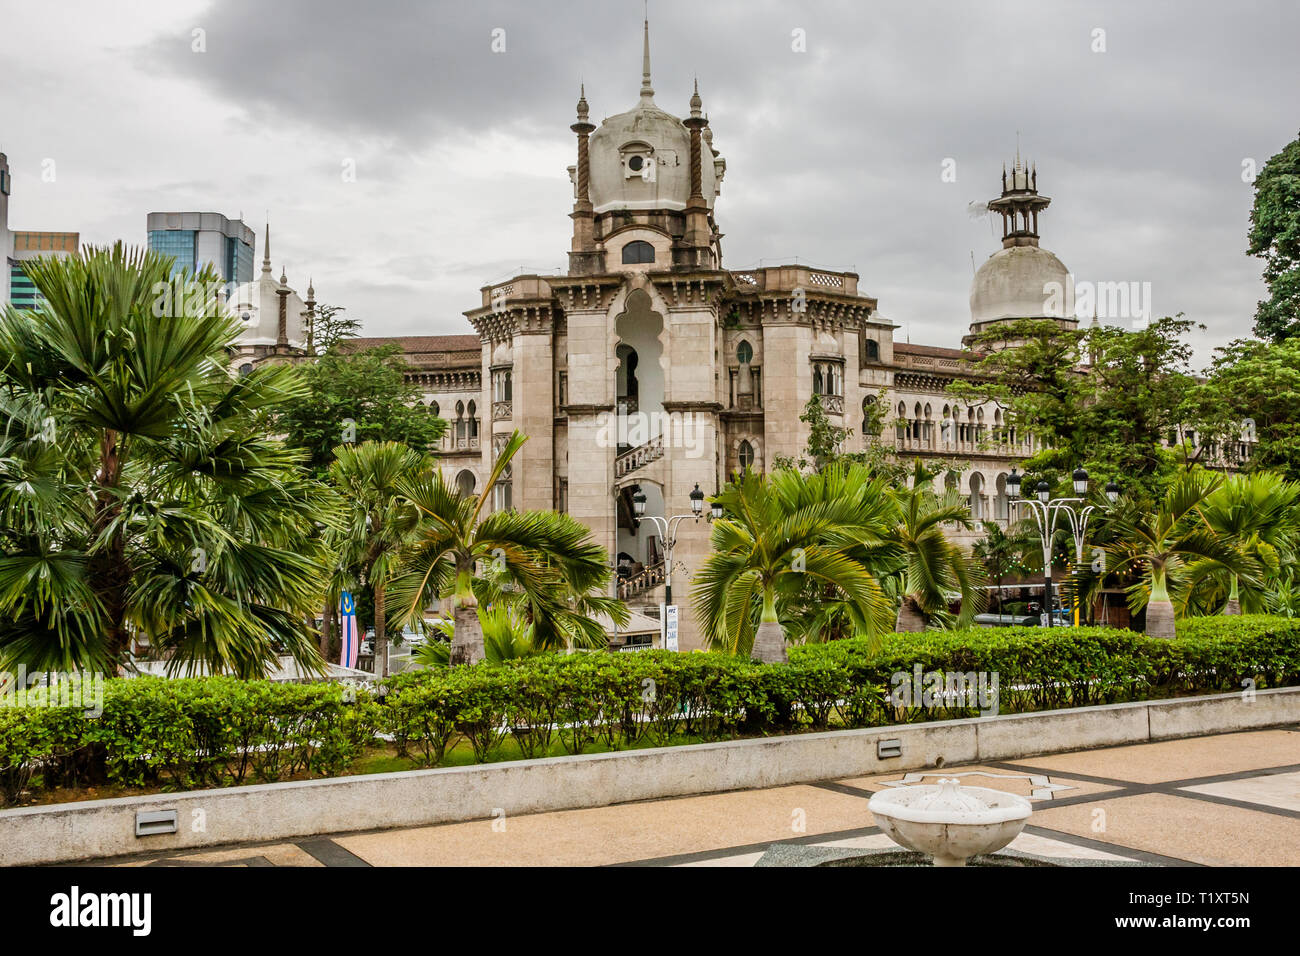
(348, 625)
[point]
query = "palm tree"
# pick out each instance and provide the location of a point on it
(377, 520)
(1161, 539)
(506, 637)
(1001, 553)
(932, 570)
(540, 560)
(1259, 514)
(782, 534)
(140, 498)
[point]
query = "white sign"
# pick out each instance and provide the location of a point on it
(670, 627)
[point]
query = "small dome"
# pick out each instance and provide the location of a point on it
(624, 146)
(1021, 282)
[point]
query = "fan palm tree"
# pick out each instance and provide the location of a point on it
(1161, 540)
(377, 520)
(781, 535)
(1259, 513)
(933, 570)
(544, 562)
(139, 494)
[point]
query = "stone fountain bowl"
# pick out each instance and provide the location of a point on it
(949, 822)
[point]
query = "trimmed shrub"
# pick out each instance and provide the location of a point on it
(220, 731)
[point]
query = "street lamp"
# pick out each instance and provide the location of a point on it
(1046, 511)
(667, 528)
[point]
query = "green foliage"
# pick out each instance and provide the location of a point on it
(139, 494)
(826, 441)
(219, 731)
(1257, 382)
(1104, 397)
(367, 387)
(1275, 238)
(788, 542)
(332, 327)
(542, 563)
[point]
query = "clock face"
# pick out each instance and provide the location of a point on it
(635, 163)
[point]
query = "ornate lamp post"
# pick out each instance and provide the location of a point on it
(667, 528)
(1046, 511)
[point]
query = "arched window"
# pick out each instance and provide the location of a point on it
(461, 433)
(872, 350)
(745, 455)
(638, 253)
(245, 369)
(473, 421)
(744, 353)
(868, 407)
(465, 483)
(433, 409)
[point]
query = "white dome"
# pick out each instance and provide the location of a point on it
(1021, 282)
(623, 146)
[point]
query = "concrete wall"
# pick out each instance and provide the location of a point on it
(279, 811)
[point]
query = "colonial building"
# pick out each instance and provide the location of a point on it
(277, 321)
(650, 368)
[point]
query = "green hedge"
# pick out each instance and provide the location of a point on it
(221, 731)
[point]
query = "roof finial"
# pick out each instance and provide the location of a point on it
(696, 102)
(647, 91)
(266, 252)
(582, 103)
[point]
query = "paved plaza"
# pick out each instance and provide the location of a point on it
(1231, 799)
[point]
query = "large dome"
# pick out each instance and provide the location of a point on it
(1021, 282)
(625, 146)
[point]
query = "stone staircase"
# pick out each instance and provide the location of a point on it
(638, 457)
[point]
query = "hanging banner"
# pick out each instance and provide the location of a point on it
(348, 630)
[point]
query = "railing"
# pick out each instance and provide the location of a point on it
(833, 404)
(826, 280)
(502, 411)
(642, 581)
(642, 454)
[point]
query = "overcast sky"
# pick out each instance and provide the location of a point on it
(834, 155)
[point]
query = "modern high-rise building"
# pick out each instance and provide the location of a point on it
(196, 239)
(34, 245)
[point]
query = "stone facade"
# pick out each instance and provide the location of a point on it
(651, 369)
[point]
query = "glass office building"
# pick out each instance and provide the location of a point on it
(198, 239)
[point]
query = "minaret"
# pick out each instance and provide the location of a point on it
(1019, 205)
(311, 318)
(699, 233)
(583, 253)
(282, 333)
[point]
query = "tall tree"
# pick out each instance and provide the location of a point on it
(332, 327)
(357, 397)
(1275, 238)
(782, 534)
(140, 495)
(1253, 394)
(933, 571)
(1158, 540)
(377, 522)
(1259, 514)
(543, 558)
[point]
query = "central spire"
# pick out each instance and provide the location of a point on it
(647, 91)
